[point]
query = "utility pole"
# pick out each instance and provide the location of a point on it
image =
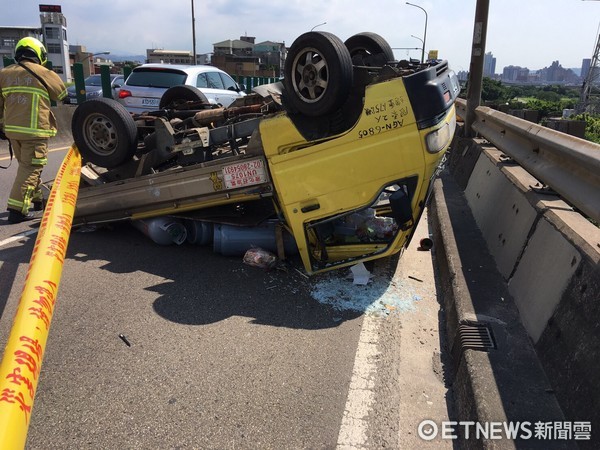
(477, 58)
(193, 35)
(590, 79)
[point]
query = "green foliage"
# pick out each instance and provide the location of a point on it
(491, 90)
(592, 127)
(549, 96)
(547, 108)
(495, 91)
(549, 100)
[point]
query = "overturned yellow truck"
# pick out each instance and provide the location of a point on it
(340, 154)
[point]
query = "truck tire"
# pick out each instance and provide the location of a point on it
(179, 94)
(318, 73)
(370, 49)
(104, 132)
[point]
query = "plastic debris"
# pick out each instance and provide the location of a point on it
(361, 274)
(258, 257)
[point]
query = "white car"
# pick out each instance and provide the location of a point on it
(147, 83)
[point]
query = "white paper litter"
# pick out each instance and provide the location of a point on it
(361, 274)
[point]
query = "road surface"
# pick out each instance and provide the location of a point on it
(224, 355)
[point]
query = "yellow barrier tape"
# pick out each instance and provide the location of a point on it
(22, 361)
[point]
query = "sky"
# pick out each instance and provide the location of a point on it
(526, 33)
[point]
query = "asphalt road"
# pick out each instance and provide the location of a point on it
(224, 355)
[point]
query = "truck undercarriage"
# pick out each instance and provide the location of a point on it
(340, 154)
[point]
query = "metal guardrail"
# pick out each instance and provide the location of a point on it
(567, 164)
(252, 82)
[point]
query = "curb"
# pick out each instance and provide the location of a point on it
(498, 376)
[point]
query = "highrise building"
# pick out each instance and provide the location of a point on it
(515, 74)
(585, 67)
(54, 31)
(9, 36)
(489, 65)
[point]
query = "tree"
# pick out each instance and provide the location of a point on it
(492, 90)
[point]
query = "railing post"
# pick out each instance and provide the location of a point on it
(79, 82)
(105, 77)
(476, 68)
(49, 67)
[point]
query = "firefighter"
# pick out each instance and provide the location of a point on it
(26, 89)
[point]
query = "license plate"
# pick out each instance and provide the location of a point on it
(150, 101)
(245, 173)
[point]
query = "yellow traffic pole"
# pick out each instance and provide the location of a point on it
(23, 354)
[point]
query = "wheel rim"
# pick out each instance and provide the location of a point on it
(100, 134)
(311, 75)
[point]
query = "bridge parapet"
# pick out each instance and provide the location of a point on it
(547, 254)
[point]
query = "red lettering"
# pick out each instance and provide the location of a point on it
(59, 240)
(44, 303)
(33, 345)
(8, 396)
(55, 254)
(25, 359)
(69, 198)
(16, 378)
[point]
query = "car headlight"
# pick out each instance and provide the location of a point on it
(94, 94)
(440, 138)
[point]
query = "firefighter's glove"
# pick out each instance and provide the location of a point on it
(3, 136)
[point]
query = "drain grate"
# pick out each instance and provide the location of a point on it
(472, 336)
(476, 336)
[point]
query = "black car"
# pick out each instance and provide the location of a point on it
(93, 88)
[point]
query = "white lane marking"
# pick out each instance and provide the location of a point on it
(18, 237)
(361, 394)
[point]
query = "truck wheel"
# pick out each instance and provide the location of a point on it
(180, 94)
(104, 132)
(370, 48)
(318, 73)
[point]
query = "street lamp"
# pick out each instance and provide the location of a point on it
(424, 33)
(324, 23)
(422, 43)
(193, 34)
(91, 55)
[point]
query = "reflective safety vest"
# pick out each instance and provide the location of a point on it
(25, 103)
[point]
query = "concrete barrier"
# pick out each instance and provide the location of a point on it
(547, 257)
(572, 127)
(64, 115)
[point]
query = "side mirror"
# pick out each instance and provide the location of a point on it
(401, 208)
(241, 87)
